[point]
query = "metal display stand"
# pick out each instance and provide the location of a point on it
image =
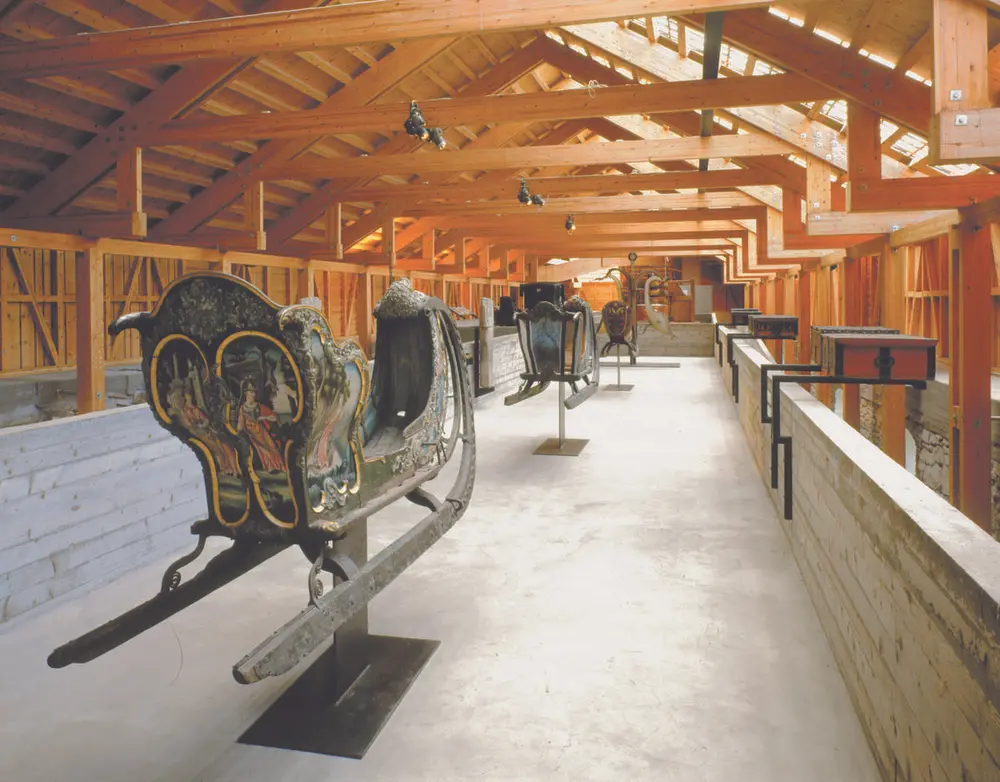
(618, 386)
(346, 696)
(561, 446)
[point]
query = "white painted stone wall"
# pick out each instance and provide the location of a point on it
(85, 499)
(906, 587)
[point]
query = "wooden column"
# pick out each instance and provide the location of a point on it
(864, 149)
(335, 230)
(129, 180)
(90, 333)
(852, 298)
(389, 244)
(804, 301)
(253, 213)
(892, 293)
(970, 310)
(306, 287)
(428, 248)
(363, 312)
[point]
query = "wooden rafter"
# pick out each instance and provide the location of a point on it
(320, 28)
(527, 107)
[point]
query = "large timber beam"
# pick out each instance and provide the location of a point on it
(588, 205)
(383, 76)
(550, 106)
(603, 184)
(795, 49)
(532, 157)
(321, 28)
(183, 90)
(965, 126)
(498, 78)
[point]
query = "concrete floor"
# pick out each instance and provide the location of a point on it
(631, 614)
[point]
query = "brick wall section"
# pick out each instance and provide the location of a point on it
(691, 339)
(84, 499)
(906, 587)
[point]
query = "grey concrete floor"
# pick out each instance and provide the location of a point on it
(634, 613)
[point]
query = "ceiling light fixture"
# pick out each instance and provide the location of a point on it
(416, 126)
(523, 194)
(570, 224)
(537, 200)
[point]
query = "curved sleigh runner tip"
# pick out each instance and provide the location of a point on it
(298, 444)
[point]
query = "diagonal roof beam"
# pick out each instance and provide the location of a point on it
(495, 80)
(889, 92)
(181, 92)
(376, 81)
(321, 28)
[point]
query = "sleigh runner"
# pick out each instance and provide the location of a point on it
(298, 442)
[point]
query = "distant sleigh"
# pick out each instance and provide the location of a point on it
(298, 441)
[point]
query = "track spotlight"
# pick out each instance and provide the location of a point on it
(415, 124)
(537, 200)
(523, 195)
(570, 224)
(436, 137)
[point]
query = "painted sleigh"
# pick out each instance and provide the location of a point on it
(559, 344)
(618, 316)
(298, 442)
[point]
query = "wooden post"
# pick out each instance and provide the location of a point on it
(363, 312)
(306, 283)
(892, 292)
(335, 230)
(90, 334)
(852, 298)
(389, 244)
(253, 213)
(804, 301)
(129, 180)
(970, 311)
(428, 248)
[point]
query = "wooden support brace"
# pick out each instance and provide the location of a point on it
(852, 300)
(363, 312)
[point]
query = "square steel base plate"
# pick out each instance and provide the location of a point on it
(307, 719)
(623, 387)
(570, 447)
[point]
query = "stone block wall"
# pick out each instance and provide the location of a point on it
(508, 362)
(84, 499)
(907, 589)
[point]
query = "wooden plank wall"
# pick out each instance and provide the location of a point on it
(38, 299)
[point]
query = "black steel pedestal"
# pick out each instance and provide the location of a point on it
(346, 696)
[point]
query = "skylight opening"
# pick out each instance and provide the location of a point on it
(599, 58)
(830, 37)
(909, 144)
(957, 169)
(836, 110)
(881, 60)
(886, 129)
(918, 77)
(553, 35)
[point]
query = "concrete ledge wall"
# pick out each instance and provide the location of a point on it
(927, 422)
(691, 339)
(906, 587)
(84, 499)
